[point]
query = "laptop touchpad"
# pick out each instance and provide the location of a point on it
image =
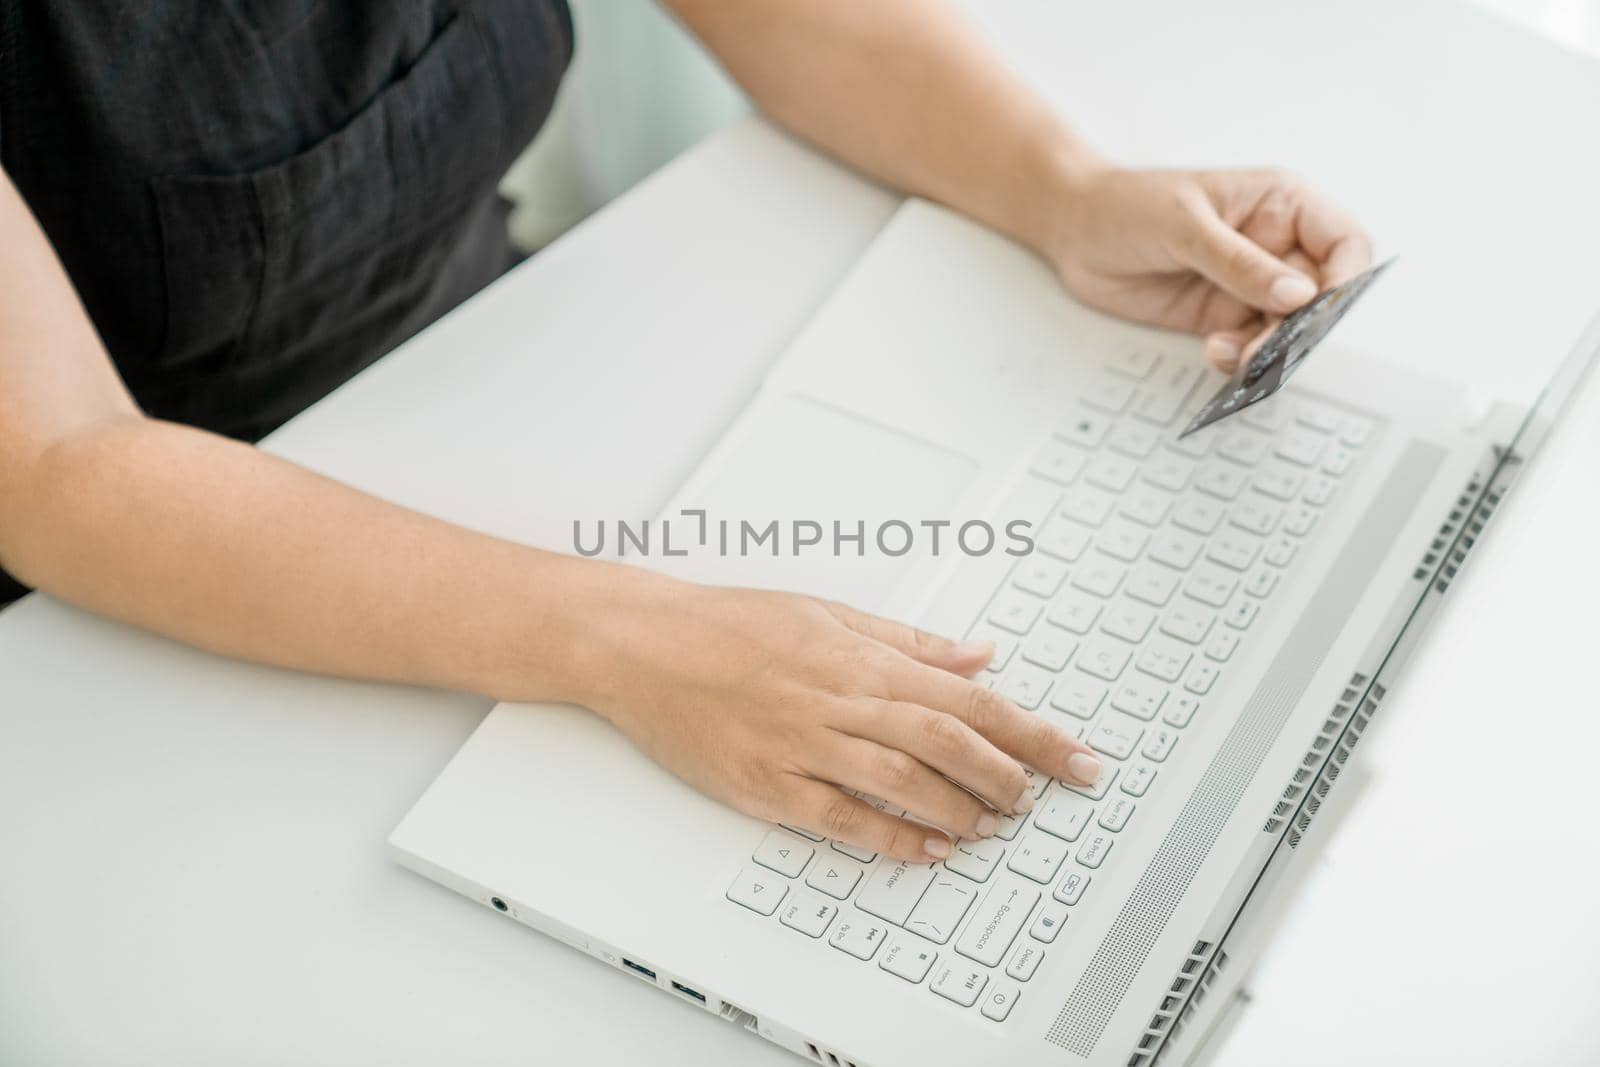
(822, 501)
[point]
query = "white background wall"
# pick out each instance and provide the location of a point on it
(641, 90)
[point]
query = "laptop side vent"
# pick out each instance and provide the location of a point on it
(1187, 992)
(1325, 758)
(1464, 525)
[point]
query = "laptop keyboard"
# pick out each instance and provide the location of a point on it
(1152, 563)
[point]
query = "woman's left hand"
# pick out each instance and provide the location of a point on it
(1222, 253)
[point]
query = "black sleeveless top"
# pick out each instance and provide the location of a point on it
(258, 198)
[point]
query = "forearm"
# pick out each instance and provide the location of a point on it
(909, 92)
(224, 547)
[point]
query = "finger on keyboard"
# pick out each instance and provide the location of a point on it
(911, 785)
(829, 810)
(1031, 739)
(950, 747)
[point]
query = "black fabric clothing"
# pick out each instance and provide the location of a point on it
(258, 198)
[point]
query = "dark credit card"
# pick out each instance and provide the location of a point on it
(1281, 354)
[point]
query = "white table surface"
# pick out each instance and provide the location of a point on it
(191, 850)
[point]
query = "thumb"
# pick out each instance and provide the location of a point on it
(1244, 269)
(965, 658)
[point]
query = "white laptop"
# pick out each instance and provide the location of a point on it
(1219, 616)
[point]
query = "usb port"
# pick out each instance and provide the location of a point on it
(686, 991)
(639, 968)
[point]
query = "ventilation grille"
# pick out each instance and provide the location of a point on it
(1186, 993)
(1464, 525)
(1325, 758)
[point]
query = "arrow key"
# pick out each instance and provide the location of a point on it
(784, 854)
(759, 890)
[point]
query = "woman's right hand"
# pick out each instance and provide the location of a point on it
(777, 704)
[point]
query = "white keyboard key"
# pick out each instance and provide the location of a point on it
(1037, 780)
(1317, 416)
(894, 888)
(1116, 735)
(1038, 856)
(1128, 621)
(1153, 586)
(1169, 472)
(942, 907)
(1337, 461)
(998, 920)
(1233, 549)
(1062, 538)
(1026, 685)
(1134, 440)
(1300, 521)
(1078, 696)
(1081, 504)
(1147, 507)
(1180, 711)
(1176, 549)
(1221, 481)
(1110, 472)
(1025, 960)
(1005, 644)
(1278, 482)
(1280, 553)
(1210, 585)
(808, 914)
(960, 982)
(1064, 814)
(1086, 429)
(1070, 891)
(835, 877)
(1136, 363)
(1256, 515)
(1300, 448)
(1015, 610)
(855, 852)
(1270, 414)
(1098, 788)
(803, 833)
(999, 1001)
(1138, 778)
(1122, 540)
(1162, 659)
(784, 854)
(1159, 743)
(1039, 575)
(1260, 584)
(1059, 462)
(1032, 499)
(1050, 647)
(1099, 576)
(1116, 813)
(976, 859)
(1109, 394)
(1198, 514)
(1103, 657)
(1162, 399)
(1241, 613)
(758, 889)
(1047, 925)
(1197, 445)
(1354, 431)
(908, 957)
(1009, 825)
(1201, 679)
(1075, 612)
(858, 935)
(1139, 698)
(1222, 646)
(1243, 446)
(1188, 622)
(1094, 849)
(1318, 490)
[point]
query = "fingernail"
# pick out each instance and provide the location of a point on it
(1224, 354)
(987, 825)
(977, 649)
(1292, 290)
(1024, 802)
(937, 847)
(1084, 767)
